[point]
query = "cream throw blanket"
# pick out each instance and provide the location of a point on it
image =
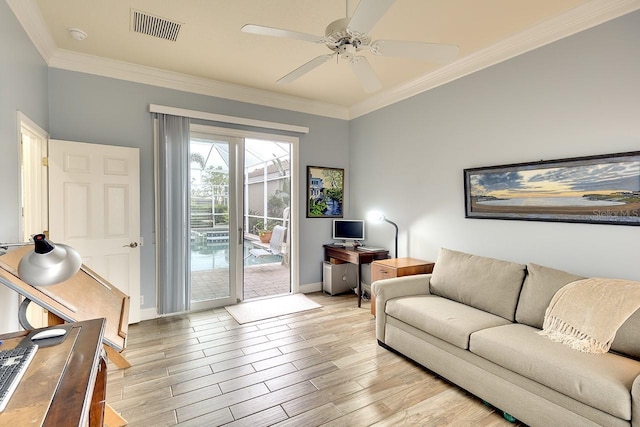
(586, 314)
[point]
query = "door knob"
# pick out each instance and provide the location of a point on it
(131, 245)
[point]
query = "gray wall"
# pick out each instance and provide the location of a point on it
(577, 97)
(101, 110)
(23, 87)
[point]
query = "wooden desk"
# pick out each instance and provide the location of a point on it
(65, 385)
(353, 256)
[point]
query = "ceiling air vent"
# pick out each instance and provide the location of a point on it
(145, 23)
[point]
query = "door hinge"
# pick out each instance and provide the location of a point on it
(45, 161)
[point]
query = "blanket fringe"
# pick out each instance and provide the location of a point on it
(559, 331)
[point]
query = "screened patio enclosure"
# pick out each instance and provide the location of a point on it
(265, 201)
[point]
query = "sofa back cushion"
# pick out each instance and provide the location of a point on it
(488, 284)
(540, 285)
(626, 340)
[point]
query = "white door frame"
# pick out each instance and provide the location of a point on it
(34, 193)
(33, 171)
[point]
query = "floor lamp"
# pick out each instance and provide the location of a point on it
(377, 216)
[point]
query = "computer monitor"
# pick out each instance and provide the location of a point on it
(348, 230)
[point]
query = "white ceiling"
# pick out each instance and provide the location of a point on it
(212, 56)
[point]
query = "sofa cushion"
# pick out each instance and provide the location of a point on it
(488, 284)
(445, 319)
(626, 340)
(540, 285)
(602, 381)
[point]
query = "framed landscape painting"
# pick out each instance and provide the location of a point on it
(325, 192)
(597, 189)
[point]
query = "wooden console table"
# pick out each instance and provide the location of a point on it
(65, 384)
(340, 254)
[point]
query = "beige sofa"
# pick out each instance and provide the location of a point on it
(474, 321)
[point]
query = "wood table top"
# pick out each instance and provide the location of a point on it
(57, 387)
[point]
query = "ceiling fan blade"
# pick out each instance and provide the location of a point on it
(416, 50)
(364, 72)
(304, 69)
(367, 14)
(278, 32)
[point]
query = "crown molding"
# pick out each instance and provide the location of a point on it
(90, 64)
(29, 16)
(573, 21)
(588, 15)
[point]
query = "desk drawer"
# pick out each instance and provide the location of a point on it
(379, 272)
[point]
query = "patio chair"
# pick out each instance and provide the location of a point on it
(277, 237)
(284, 248)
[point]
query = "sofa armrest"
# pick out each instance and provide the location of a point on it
(387, 289)
(635, 403)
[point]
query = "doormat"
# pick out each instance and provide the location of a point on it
(253, 311)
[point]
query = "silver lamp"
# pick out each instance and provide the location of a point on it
(48, 263)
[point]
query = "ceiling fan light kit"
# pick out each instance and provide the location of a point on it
(347, 37)
(338, 33)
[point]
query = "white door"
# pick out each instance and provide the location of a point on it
(94, 207)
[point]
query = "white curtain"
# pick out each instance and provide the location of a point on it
(172, 214)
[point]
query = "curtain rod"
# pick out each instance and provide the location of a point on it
(226, 119)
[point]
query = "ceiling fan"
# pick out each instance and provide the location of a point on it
(347, 37)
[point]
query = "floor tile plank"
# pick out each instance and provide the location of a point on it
(276, 398)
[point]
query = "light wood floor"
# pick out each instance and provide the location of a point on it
(319, 367)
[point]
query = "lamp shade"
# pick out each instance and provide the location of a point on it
(377, 216)
(48, 264)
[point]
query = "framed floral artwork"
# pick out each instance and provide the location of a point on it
(325, 192)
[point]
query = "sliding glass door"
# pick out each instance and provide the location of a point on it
(215, 197)
(267, 207)
(240, 227)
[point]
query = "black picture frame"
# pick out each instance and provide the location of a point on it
(603, 189)
(325, 192)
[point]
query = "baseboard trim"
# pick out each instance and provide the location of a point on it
(148, 314)
(308, 288)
